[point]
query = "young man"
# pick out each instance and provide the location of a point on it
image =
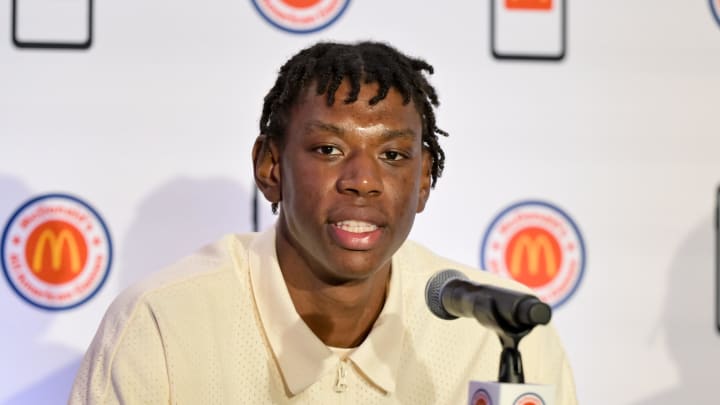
(328, 306)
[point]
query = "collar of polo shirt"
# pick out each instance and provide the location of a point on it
(300, 355)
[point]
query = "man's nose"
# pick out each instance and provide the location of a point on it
(361, 175)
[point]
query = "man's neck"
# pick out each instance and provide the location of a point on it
(340, 314)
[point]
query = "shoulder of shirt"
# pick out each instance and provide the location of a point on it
(419, 262)
(217, 260)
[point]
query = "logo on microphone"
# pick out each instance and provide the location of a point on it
(539, 245)
(715, 8)
(529, 399)
(55, 252)
(481, 397)
(301, 16)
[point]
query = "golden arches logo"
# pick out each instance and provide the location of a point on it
(533, 257)
(56, 242)
(537, 244)
(533, 248)
(56, 252)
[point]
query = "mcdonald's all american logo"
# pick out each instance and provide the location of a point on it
(529, 399)
(301, 16)
(537, 244)
(56, 251)
(481, 397)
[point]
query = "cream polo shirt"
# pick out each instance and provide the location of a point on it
(301, 356)
(219, 327)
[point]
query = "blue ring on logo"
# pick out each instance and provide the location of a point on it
(583, 252)
(5, 235)
(715, 11)
(294, 31)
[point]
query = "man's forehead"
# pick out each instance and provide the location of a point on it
(377, 128)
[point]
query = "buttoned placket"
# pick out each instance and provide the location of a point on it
(341, 378)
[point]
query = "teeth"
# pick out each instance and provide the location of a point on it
(356, 226)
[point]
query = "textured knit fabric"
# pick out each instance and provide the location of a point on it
(196, 333)
(301, 356)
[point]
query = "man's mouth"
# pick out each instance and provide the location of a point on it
(356, 226)
(354, 234)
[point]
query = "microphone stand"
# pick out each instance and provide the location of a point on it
(511, 367)
(512, 321)
(510, 387)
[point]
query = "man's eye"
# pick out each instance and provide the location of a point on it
(392, 155)
(328, 150)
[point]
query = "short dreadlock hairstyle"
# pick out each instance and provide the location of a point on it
(329, 63)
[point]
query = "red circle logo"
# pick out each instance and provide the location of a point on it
(301, 16)
(301, 3)
(529, 399)
(538, 245)
(533, 256)
(56, 251)
(481, 397)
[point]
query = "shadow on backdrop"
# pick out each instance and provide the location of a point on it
(173, 221)
(177, 219)
(33, 371)
(688, 323)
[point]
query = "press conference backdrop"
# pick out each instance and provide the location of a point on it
(583, 160)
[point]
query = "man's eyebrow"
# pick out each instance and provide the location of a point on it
(324, 126)
(399, 133)
(390, 133)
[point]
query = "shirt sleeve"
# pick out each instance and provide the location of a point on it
(125, 363)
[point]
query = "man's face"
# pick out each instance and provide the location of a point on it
(352, 177)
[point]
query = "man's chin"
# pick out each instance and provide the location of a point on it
(352, 268)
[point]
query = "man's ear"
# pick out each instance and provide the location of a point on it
(266, 167)
(425, 181)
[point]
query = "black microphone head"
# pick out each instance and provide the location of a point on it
(532, 312)
(434, 289)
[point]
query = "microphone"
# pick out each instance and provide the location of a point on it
(449, 294)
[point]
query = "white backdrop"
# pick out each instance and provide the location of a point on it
(153, 127)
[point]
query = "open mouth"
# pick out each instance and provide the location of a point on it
(355, 234)
(356, 226)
